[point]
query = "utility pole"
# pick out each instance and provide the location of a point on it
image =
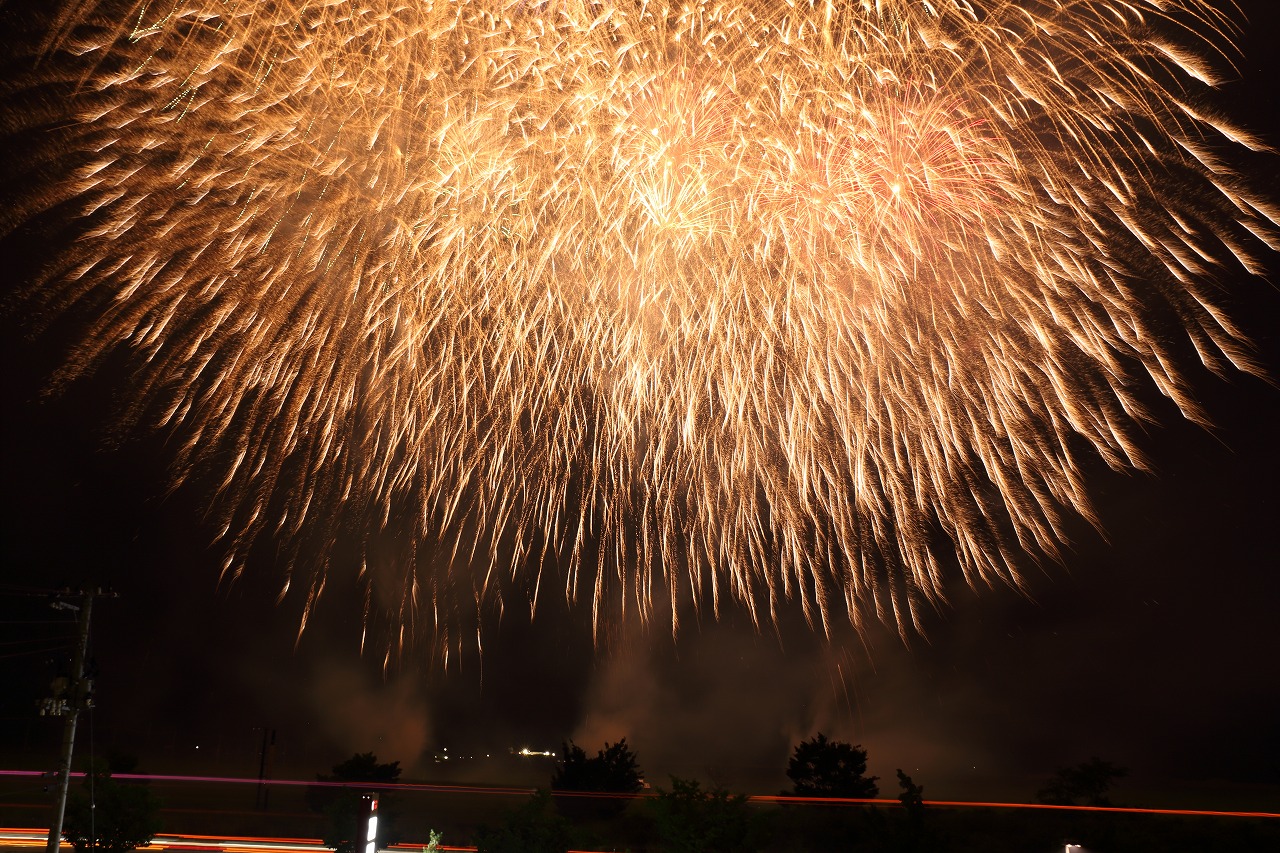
(78, 697)
(264, 767)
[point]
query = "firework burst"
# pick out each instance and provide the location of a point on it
(762, 301)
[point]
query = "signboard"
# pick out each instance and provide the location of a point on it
(367, 828)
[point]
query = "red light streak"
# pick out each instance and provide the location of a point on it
(1118, 809)
(948, 804)
(762, 799)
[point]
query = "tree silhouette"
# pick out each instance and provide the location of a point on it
(912, 796)
(691, 820)
(1085, 784)
(341, 804)
(110, 815)
(614, 770)
(532, 828)
(830, 768)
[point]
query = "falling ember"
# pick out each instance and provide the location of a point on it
(639, 301)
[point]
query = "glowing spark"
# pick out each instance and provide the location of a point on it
(710, 299)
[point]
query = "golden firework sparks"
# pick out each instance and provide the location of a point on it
(721, 299)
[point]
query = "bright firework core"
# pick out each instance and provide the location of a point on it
(647, 302)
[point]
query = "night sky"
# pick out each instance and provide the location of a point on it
(1155, 647)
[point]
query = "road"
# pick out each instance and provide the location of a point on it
(34, 839)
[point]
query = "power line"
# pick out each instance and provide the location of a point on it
(32, 591)
(33, 621)
(31, 652)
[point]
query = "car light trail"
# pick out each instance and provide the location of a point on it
(762, 799)
(961, 804)
(26, 837)
(29, 837)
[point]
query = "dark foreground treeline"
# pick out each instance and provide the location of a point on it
(683, 817)
(726, 824)
(601, 803)
(500, 823)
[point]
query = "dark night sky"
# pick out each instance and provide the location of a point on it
(1156, 648)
